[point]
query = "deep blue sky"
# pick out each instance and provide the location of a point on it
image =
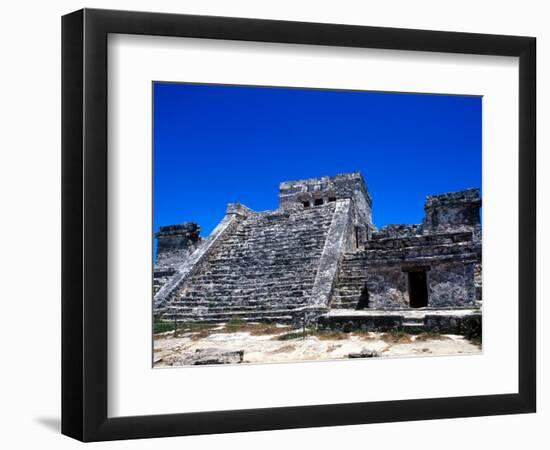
(219, 144)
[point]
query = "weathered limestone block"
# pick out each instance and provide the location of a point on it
(381, 322)
(160, 278)
(365, 353)
(452, 211)
(451, 285)
(397, 231)
(175, 244)
(387, 288)
(469, 325)
(205, 356)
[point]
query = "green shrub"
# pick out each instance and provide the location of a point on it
(161, 326)
(396, 337)
(471, 329)
(235, 324)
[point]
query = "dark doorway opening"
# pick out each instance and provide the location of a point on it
(318, 202)
(306, 204)
(363, 302)
(418, 289)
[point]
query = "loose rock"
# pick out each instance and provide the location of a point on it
(203, 356)
(365, 353)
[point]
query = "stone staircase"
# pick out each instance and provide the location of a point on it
(411, 323)
(263, 270)
(349, 284)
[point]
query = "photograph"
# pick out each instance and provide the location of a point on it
(275, 225)
(299, 224)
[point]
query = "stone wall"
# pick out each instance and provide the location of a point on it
(451, 284)
(161, 277)
(452, 211)
(387, 287)
(325, 189)
(469, 324)
(175, 243)
(382, 269)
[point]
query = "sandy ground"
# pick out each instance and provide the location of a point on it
(266, 348)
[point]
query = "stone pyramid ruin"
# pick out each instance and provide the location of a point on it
(319, 255)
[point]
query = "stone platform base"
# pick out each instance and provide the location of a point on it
(448, 321)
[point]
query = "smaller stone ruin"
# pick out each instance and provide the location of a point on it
(174, 244)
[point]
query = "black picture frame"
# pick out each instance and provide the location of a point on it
(84, 224)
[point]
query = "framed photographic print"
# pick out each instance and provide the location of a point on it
(272, 224)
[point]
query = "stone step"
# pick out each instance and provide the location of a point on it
(266, 307)
(337, 305)
(245, 282)
(344, 277)
(413, 324)
(247, 304)
(282, 316)
(348, 287)
(201, 301)
(222, 292)
(343, 296)
(259, 267)
(226, 309)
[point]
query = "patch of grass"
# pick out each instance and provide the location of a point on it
(192, 327)
(430, 336)
(162, 326)
(292, 335)
(198, 330)
(365, 335)
(235, 324)
(195, 327)
(472, 331)
(396, 337)
(476, 341)
(331, 335)
(255, 329)
(262, 329)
